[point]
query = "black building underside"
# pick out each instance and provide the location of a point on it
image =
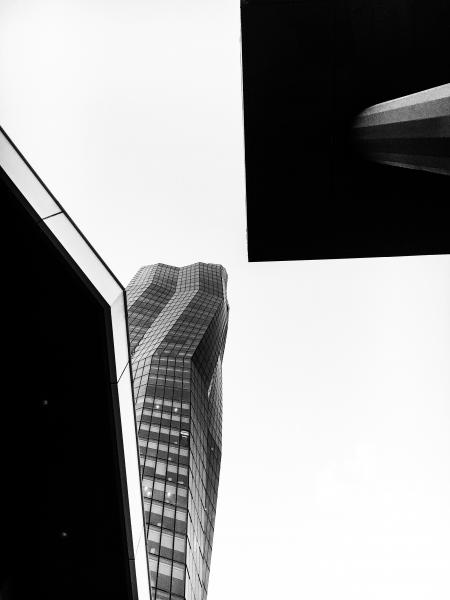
(62, 518)
(309, 68)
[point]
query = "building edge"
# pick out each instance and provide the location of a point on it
(59, 228)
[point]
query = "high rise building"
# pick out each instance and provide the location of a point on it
(178, 321)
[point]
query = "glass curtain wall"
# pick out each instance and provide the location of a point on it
(178, 321)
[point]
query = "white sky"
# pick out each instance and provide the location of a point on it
(335, 476)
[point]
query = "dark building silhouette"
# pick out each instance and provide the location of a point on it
(71, 518)
(309, 68)
(178, 321)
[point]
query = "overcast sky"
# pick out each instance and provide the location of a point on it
(335, 475)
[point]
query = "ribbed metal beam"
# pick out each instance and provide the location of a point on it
(411, 132)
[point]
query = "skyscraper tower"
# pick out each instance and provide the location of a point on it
(178, 321)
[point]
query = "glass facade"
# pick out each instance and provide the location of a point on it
(178, 320)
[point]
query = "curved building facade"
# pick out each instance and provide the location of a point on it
(178, 321)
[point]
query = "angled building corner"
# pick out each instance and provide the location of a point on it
(69, 454)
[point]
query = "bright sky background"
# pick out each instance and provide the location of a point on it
(335, 475)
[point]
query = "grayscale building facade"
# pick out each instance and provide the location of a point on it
(178, 320)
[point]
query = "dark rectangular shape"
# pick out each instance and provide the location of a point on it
(309, 68)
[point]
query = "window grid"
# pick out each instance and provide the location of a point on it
(178, 323)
